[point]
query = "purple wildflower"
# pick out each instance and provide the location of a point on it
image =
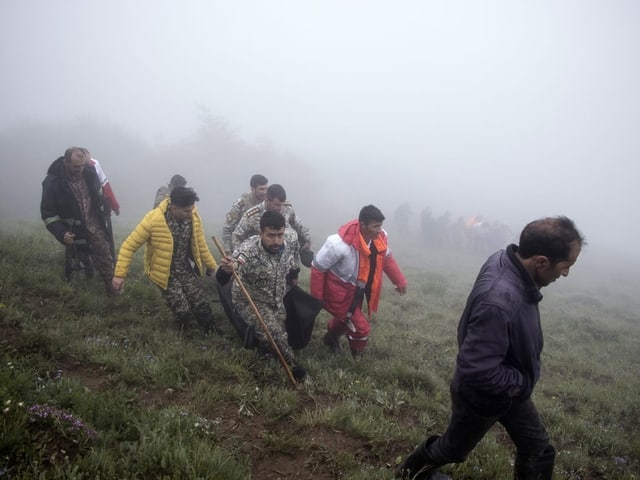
(64, 419)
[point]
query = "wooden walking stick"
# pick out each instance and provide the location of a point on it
(264, 326)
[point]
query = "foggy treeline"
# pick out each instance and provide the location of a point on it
(215, 160)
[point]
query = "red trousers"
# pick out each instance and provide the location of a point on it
(359, 338)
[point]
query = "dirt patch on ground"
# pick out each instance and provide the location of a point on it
(258, 440)
(92, 377)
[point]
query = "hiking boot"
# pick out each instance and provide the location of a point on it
(212, 328)
(425, 473)
(299, 373)
(535, 467)
(331, 341)
(419, 466)
(207, 322)
(181, 321)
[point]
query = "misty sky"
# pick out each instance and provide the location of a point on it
(513, 110)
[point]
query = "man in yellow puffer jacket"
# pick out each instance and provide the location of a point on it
(175, 252)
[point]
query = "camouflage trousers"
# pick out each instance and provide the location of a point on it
(101, 255)
(92, 253)
(184, 295)
(275, 323)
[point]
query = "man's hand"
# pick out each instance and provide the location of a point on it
(401, 290)
(226, 264)
(68, 238)
(118, 284)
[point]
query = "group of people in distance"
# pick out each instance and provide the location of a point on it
(499, 334)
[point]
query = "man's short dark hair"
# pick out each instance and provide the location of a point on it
(178, 181)
(273, 220)
(257, 180)
(183, 197)
(551, 237)
(369, 214)
(276, 192)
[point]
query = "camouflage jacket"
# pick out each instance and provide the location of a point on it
(263, 274)
(249, 225)
(163, 192)
(244, 203)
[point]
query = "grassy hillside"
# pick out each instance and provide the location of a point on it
(97, 388)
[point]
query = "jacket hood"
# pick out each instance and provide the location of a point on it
(57, 167)
(350, 232)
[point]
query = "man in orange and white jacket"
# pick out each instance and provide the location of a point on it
(347, 268)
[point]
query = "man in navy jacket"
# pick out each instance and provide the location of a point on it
(498, 363)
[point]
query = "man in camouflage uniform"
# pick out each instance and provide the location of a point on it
(259, 185)
(176, 254)
(266, 267)
(165, 190)
(297, 235)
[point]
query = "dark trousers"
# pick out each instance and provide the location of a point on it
(466, 428)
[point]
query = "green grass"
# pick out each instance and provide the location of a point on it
(156, 402)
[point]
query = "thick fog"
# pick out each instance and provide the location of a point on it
(508, 110)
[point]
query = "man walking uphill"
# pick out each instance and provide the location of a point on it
(165, 190)
(266, 267)
(175, 254)
(498, 362)
(297, 234)
(73, 210)
(258, 193)
(349, 267)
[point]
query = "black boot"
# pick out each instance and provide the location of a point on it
(331, 341)
(207, 322)
(299, 373)
(182, 321)
(535, 467)
(419, 466)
